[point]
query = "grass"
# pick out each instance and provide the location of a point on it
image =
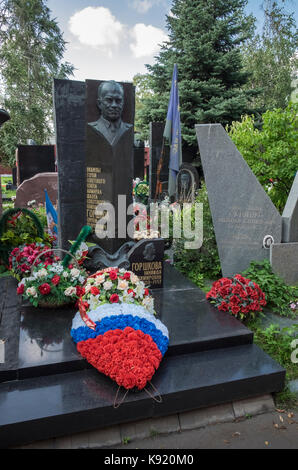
(276, 342)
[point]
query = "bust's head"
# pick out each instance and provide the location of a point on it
(110, 100)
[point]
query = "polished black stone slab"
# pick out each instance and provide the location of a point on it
(41, 343)
(53, 406)
(34, 159)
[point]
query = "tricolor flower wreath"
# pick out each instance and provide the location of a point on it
(121, 339)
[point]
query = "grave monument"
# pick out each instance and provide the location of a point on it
(243, 214)
(109, 154)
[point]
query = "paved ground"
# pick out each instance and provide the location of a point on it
(245, 424)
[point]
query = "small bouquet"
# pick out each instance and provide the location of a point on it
(112, 286)
(52, 285)
(239, 296)
(22, 258)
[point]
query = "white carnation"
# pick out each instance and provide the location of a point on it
(122, 284)
(42, 273)
(75, 273)
(70, 291)
(108, 285)
(31, 292)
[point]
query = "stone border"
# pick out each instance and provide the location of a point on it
(119, 434)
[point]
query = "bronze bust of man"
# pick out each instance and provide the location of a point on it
(110, 103)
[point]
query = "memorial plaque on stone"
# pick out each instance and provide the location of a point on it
(290, 215)
(155, 145)
(34, 159)
(109, 154)
(69, 105)
(146, 261)
(243, 214)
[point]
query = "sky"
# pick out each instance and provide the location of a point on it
(114, 39)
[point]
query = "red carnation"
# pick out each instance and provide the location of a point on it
(45, 289)
(126, 276)
(114, 299)
(235, 309)
(131, 291)
(146, 292)
(113, 275)
(94, 291)
(80, 291)
(20, 290)
(56, 280)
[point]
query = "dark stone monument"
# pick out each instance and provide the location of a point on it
(156, 140)
(14, 177)
(109, 154)
(243, 214)
(147, 262)
(34, 159)
(69, 104)
(138, 160)
(187, 183)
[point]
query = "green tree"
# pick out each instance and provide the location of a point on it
(271, 58)
(204, 41)
(272, 151)
(31, 52)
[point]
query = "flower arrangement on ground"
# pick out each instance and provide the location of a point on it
(22, 258)
(239, 296)
(116, 330)
(52, 285)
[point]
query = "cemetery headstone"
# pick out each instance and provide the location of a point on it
(14, 177)
(69, 105)
(139, 160)
(155, 145)
(33, 190)
(187, 183)
(243, 214)
(110, 108)
(34, 159)
(146, 261)
(284, 261)
(290, 215)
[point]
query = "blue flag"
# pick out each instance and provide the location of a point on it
(51, 216)
(172, 132)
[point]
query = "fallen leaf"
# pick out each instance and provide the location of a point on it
(266, 443)
(226, 442)
(290, 415)
(276, 425)
(281, 419)
(236, 434)
(279, 411)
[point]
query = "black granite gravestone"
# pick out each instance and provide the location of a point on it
(34, 159)
(109, 160)
(146, 261)
(138, 158)
(156, 139)
(69, 103)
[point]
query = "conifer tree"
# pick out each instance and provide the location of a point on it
(205, 37)
(31, 52)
